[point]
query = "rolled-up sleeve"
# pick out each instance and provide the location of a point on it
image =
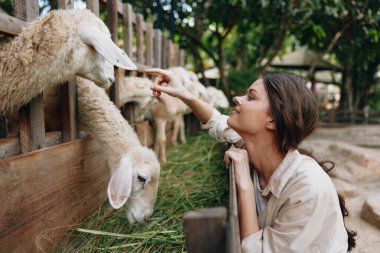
(218, 129)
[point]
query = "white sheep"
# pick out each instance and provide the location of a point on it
(218, 99)
(135, 169)
(137, 90)
(53, 49)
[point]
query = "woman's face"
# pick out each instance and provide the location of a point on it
(251, 113)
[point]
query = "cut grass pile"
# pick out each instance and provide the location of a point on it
(194, 177)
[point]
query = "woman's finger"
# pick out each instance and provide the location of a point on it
(157, 71)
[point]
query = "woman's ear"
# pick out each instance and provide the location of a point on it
(270, 124)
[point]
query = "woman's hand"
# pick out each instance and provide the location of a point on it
(167, 82)
(242, 171)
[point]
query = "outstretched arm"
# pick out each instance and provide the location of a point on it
(168, 83)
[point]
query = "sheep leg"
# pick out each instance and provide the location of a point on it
(160, 144)
(182, 131)
(176, 129)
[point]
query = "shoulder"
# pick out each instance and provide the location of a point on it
(310, 181)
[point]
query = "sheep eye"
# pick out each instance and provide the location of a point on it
(141, 179)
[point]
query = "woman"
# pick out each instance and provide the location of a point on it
(291, 204)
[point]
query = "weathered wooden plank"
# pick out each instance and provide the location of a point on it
(128, 30)
(112, 25)
(11, 146)
(10, 25)
(164, 50)
(93, 5)
(48, 189)
(32, 125)
(69, 111)
(140, 39)
(233, 232)
(181, 56)
(149, 44)
(205, 230)
(157, 48)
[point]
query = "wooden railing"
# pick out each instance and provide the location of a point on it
(346, 117)
(215, 230)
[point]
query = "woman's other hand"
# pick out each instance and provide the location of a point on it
(241, 163)
(168, 83)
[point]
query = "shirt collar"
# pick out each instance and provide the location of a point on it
(283, 173)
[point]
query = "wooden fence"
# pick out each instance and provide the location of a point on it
(49, 181)
(345, 117)
(214, 230)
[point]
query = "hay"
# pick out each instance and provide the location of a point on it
(194, 177)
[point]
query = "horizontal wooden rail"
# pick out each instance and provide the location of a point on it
(10, 25)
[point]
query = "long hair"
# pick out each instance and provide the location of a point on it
(295, 112)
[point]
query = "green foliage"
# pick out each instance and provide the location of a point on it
(240, 80)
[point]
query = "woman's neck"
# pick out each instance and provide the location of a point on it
(264, 156)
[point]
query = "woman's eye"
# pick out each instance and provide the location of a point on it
(141, 179)
(250, 98)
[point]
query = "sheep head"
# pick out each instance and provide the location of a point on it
(96, 50)
(135, 183)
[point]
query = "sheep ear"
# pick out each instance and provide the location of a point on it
(120, 185)
(107, 48)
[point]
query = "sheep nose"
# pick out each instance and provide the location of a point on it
(111, 79)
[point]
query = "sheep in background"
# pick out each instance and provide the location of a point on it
(137, 89)
(53, 49)
(218, 99)
(135, 169)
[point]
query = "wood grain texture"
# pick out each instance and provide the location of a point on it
(47, 189)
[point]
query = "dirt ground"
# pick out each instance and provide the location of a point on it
(356, 153)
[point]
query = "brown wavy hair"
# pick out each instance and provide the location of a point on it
(295, 111)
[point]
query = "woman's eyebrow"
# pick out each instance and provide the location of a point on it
(251, 91)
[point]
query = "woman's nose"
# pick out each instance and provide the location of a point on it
(237, 100)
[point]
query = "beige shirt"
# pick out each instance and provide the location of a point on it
(302, 214)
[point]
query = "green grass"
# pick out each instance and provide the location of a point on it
(194, 177)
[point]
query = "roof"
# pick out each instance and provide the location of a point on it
(302, 59)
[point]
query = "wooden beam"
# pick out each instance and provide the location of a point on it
(157, 48)
(149, 45)
(181, 60)
(140, 38)
(112, 10)
(93, 5)
(205, 230)
(11, 25)
(32, 124)
(69, 97)
(43, 192)
(233, 232)
(128, 30)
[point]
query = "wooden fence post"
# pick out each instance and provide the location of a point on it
(69, 97)
(140, 38)
(157, 47)
(205, 230)
(233, 232)
(149, 44)
(32, 124)
(93, 5)
(112, 25)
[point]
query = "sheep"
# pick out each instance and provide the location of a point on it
(53, 49)
(218, 99)
(172, 109)
(137, 90)
(134, 168)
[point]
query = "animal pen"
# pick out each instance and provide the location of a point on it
(50, 180)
